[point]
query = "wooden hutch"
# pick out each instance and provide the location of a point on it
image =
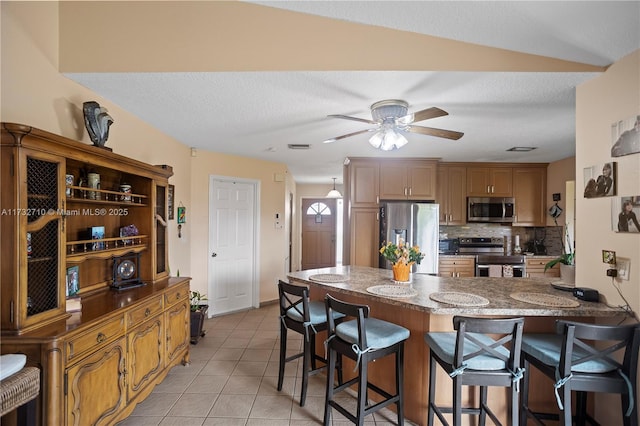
(99, 361)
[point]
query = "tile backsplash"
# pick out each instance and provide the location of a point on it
(548, 238)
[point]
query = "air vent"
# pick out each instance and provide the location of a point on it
(299, 146)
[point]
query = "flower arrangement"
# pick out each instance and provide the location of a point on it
(401, 253)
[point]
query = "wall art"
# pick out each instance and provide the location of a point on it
(624, 214)
(625, 136)
(600, 180)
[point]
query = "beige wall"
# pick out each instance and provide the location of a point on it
(558, 173)
(36, 94)
(600, 102)
(272, 250)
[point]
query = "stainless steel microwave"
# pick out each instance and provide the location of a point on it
(490, 209)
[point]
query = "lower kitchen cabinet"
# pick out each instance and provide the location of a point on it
(535, 267)
(456, 266)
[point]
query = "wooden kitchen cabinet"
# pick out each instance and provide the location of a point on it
(451, 194)
(364, 236)
(534, 267)
(530, 192)
(408, 180)
(456, 266)
(176, 318)
(489, 181)
(364, 178)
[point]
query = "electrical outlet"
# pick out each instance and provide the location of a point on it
(623, 265)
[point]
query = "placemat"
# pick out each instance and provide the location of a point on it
(392, 290)
(545, 300)
(329, 278)
(459, 299)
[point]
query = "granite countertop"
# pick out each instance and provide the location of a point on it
(496, 290)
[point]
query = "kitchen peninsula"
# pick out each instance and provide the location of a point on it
(420, 314)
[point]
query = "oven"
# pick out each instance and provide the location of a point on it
(500, 266)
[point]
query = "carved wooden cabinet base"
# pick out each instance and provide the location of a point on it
(96, 372)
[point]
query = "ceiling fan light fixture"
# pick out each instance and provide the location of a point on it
(334, 193)
(388, 139)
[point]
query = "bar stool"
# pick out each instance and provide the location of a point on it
(363, 340)
(299, 314)
(473, 358)
(574, 364)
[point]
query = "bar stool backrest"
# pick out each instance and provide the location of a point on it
(294, 301)
(360, 312)
(581, 353)
(506, 347)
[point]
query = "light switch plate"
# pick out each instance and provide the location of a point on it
(623, 265)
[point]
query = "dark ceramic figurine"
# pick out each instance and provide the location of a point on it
(97, 122)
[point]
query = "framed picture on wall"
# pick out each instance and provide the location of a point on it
(624, 214)
(72, 281)
(170, 198)
(600, 180)
(625, 136)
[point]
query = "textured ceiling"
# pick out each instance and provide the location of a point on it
(258, 113)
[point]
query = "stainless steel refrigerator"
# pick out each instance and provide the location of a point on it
(415, 223)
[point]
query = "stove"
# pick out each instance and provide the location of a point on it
(481, 245)
(490, 257)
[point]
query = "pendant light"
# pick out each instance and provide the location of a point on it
(334, 193)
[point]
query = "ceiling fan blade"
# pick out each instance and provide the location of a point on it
(431, 131)
(347, 117)
(424, 114)
(337, 138)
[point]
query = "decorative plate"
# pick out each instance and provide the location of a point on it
(392, 290)
(459, 299)
(329, 278)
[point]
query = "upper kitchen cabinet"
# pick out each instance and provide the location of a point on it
(493, 181)
(451, 194)
(363, 176)
(529, 192)
(407, 180)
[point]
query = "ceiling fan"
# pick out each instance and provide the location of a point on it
(391, 120)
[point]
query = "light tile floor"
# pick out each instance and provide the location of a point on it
(232, 381)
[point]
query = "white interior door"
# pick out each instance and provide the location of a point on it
(232, 245)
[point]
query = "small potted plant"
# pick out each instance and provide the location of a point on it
(402, 257)
(198, 315)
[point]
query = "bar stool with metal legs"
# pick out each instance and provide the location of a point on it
(306, 317)
(584, 358)
(473, 358)
(363, 340)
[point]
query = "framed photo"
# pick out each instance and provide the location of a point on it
(624, 214)
(625, 136)
(73, 285)
(97, 233)
(600, 180)
(170, 198)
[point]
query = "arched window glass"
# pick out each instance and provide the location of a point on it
(319, 209)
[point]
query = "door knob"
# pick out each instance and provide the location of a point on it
(214, 254)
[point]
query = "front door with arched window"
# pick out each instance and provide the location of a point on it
(318, 233)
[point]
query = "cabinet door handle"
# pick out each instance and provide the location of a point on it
(147, 312)
(405, 191)
(377, 199)
(101, 338)
(488, 189)
(409, 192)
